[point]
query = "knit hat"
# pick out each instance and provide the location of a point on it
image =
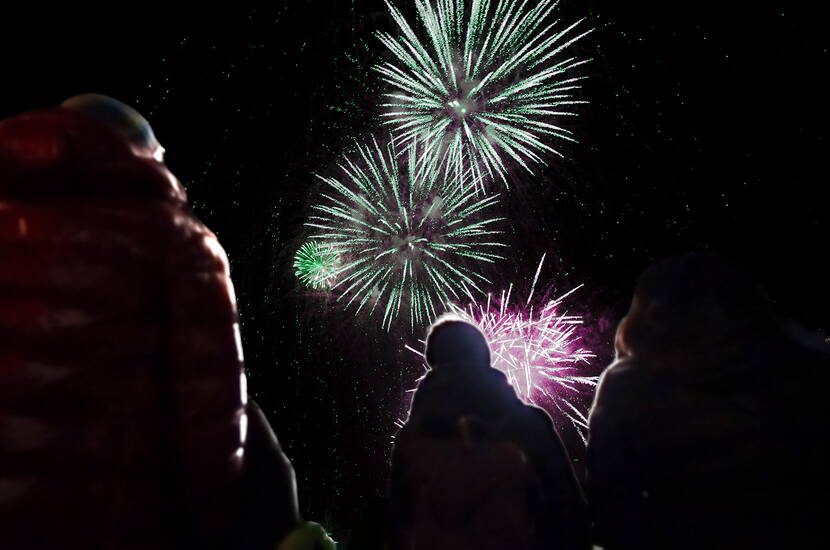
(121, 118)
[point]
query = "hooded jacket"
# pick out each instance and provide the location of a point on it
(707, 431)
(121, 381)
(448, 394)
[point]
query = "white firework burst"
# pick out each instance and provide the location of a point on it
(487, 83)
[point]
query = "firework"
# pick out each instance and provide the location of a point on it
(407, 240)
(316, 265)
(537, 347)
(485, 85)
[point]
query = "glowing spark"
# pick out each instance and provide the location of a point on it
(316, 265)
(483, 85)
(406, 239)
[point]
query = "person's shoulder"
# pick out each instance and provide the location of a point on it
(536, 416)
(623, 374)
(495, 375)
(619, 384)
(428, 390)
(426, 385)
(528, 419)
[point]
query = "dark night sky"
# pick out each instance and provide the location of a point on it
(707, 130)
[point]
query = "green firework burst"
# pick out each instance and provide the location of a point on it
(316, 265)
(407, 239)
(488, 82)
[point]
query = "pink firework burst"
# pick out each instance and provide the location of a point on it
(537, 345)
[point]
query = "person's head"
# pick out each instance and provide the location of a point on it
(120, 118)
(691, 304)
(452, 341)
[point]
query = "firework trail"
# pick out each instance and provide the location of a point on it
(485, 85)
(316, 265)
(405, 240)
(537, 347)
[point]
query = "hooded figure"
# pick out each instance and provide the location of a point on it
(704, 432)
(122, 393)
(474, 467)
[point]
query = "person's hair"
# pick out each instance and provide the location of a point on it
(690, 304)
(454, 341)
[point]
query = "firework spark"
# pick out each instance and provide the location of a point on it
(406, 239)
(316, 265)
(537, 347)
(484, 85)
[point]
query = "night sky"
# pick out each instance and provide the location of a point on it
(707, 129)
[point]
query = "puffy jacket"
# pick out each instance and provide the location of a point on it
(121, 381)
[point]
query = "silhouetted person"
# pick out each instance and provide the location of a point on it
(705, 432)
(474, 467)
(122, 394)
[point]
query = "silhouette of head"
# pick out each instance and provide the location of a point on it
(454, 342)
(690, 303)
(122, 119)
